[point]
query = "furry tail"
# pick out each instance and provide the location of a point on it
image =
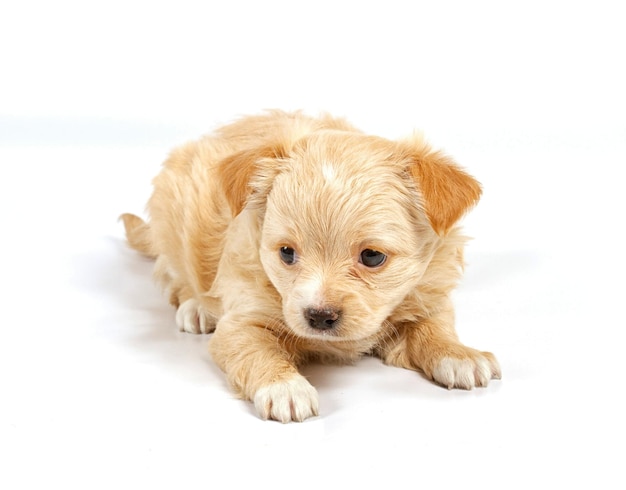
(138, 234)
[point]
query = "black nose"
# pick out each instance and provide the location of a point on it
(321, 318)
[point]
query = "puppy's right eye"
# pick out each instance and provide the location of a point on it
(372, 258)
(288, 255)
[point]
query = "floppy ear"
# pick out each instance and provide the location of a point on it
(237, 172)
(447, 190)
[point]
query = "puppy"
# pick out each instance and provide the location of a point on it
(299, 239)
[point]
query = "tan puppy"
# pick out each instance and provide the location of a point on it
(300, 239)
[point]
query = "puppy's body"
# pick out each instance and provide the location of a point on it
(301, 238)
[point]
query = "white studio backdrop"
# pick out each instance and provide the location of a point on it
(532, 69)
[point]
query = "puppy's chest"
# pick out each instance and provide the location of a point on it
(335, 352)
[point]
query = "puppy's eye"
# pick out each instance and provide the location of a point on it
(372, 258)
(288, 255)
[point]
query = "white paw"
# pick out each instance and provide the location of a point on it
(286, 401)
(191, 318)
(466, 373)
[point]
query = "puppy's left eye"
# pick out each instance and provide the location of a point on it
(372, 258)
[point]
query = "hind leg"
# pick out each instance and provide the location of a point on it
(192, 315)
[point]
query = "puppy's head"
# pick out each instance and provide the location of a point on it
(350, 223)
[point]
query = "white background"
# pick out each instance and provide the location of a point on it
(97, 387)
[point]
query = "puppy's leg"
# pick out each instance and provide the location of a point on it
(191, 315)
(261, 370)
(432, 347)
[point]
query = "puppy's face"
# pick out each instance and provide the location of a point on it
(350, 223)
(344, 235)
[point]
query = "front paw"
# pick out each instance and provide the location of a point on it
(466, 369)
(286, 401)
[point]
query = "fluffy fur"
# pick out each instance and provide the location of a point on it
(297, 239)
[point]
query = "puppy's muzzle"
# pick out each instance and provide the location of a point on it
(322, 318)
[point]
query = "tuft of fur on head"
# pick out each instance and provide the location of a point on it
(264, 141)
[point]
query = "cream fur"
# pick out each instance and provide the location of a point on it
(225, 206)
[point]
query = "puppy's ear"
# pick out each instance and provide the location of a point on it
(237, 172)
(448, 191)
